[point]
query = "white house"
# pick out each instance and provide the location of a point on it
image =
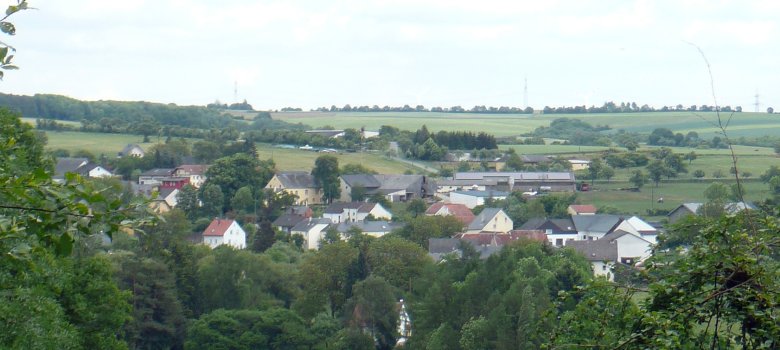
(472, 199)
(224, 231)
(312, 230)
(196, 173)
(601, 254)
(81, 166)
(131, 150)
(355, 212)
(490, 220)
(631, 248)
(640, 228)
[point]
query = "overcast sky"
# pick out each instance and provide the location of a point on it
(432, 52)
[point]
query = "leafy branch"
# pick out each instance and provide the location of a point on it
(9, 29)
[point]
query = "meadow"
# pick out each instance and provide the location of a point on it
(97, 143)
(746, 124)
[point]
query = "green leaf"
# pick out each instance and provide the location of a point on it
(3, 53)
(64, 245)
(10, 67)
(8, 28)
(11, 10)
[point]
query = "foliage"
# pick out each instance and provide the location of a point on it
(236, 171)
(576, 131)
(324, 279)
(326, 175)
(397, 260)
(275, 328)
(421, 228)
(372, 308)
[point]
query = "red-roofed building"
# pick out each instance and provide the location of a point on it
(581, 209)
(174, 182)
(224, 231)
(196, 173)
(459, 211)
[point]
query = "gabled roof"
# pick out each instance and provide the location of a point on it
(730, 208)
(534, 235)
(362, 180)
(307, 224)
(296, 179)
(443, 245)
(459, 211)
(620, 233)
(193, 169)
(339, 207)
(165, 192)
(68, 165)
(129, 148)
(598, 250)
(218, 227)
(641, 226)
(596, 223)
(288, 220)
(481, 220)
(558, 226)
(158, 172)
(583, 208)
(535, 159)
(379, 226)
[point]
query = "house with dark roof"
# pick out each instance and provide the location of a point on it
(371, 228)
(81, 166)
(396, 188)
(298, 183)
(592, 227)
(447, 185)
(485, 244)
(155, 176)
(631, 249)
(131, 150)
(355, 211)
(312, 230)
(291, 217)
(165, 201)
(686, 209)
(601, 254)
(558, 231)
(459, 211)
(224, 231)
(490, 220)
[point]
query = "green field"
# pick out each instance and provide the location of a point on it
(673, 194)
(742, 124)
(97, 143)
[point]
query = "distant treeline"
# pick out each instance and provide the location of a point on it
(607, 107)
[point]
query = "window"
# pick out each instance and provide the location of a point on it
(559, 242)
(604, 267)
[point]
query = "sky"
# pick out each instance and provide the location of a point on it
(310, 54)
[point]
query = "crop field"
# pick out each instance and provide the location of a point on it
(741, 124)
(295, 159)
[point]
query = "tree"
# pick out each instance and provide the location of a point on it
(421, 228)
(415, 207)
(187, 201)
(594, 169)
(770, 110)
(236, 171)
(657, 170)
(242, 200)
(323, 277)
(690, 157)
(326, 175)
(638, 179)
(396, 260)
(698, 174)
(264, 238)
(607, 172)
(212, 200)
(372, 308)
(352, 168)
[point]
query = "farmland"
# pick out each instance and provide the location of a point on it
(742, 124)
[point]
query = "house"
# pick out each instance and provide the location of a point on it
(601, 254)
(313, 231)
(165, 201)
(490, 220)
(298, 183)
(224, 231)
(485, 244)
(355, 212)
(472, 199)
(579, 164)
(396, 188)
(81, 166)
(371, 228)
(631, 248)
(131, 150)
(526, 181)
(292, 217)
(174, 182)
(686, 209)
(581, 209)
(640, 228)
(558, 231)
(459, 211)
(196, 173)
(155, 176)
(593, 227)
(534, 160)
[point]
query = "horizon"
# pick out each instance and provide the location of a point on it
(308, 55)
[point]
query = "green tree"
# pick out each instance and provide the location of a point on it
(326, 174)
(690, 157)
(352, 168)
(397, 260)
(323, 277)
(242, 201)
(236, 171)
(698, 174)
(656, 171)
(421, 228)
(475, 335)
(264, 238)
(594, 169)
(416, 207)
(638, 179)
(607, 172)
(372, 308)
(212, 200)
(187, 201)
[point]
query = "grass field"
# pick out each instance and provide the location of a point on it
(97, 143)
(742, 124)
(673, 193)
